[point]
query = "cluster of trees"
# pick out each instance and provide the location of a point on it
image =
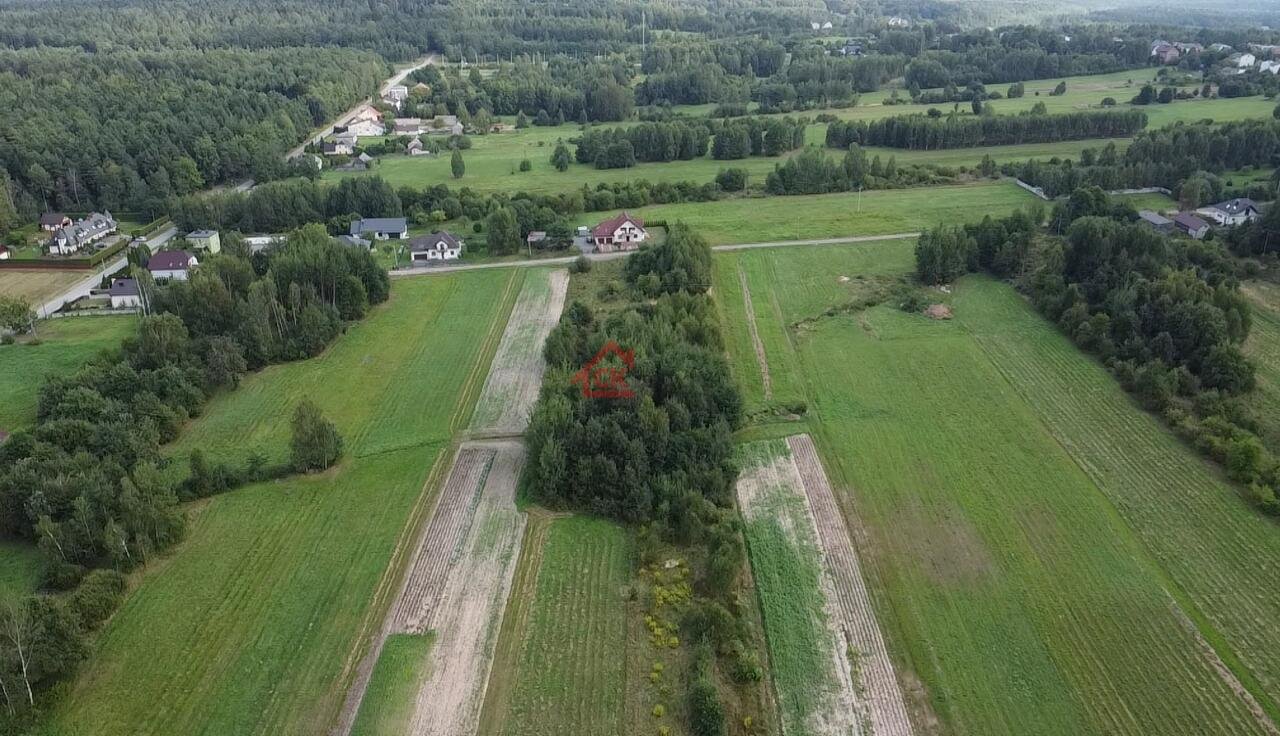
(661, 455)
(745, 56)
(743, 137)
(612, 148)
(563, 90)
(812, 171)
(814, 79)
(1165, 314)
(101, 141)
(87, 483)
(1161, 157)
(921, 132)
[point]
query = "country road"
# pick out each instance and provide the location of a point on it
(90, 282)
(565, 260)
(394, 79)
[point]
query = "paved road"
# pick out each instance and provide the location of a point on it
(564, 260)
(90, 282)
(394, 79)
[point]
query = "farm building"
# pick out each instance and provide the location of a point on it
(124, 294)
(174, 265)
(381, 228)
(439, 246)
(355, 242)
(205, 240)
(444, 125)
(408, 126)
(1189, 224)
(1156, 221)
(623, 232)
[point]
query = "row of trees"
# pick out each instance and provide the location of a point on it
(87, 483)
(921, 132)
(1162, 157)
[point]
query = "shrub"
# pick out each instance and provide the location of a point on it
(97, 596)
(315, 444)
(706, 714)
(526, 165)
(581, 264)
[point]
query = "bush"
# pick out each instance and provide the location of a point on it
(98, 595)
(315, 444)
(526, 165)
(581, 264)
(706, 714)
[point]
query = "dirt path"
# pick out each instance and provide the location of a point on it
(515, 376)
(877, 686)
(765, 379)
(469, 617)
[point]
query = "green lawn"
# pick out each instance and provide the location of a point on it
(884, 212)
(1156, 201)
(65, 345)
(249, 625)
(570, 676)
(1036, 546)
(393, 687)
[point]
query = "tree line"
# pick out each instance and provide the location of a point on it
(659, 453)
(921, 132)
(88, 483)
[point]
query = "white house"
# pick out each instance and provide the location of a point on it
(381, 228)
(397, 93)
(124, 294)
(336, 149)
(1271, 67)
(1232, 212)
(259, 243)
(68, 239)
(439, 246)
(174, 265)
(1242, 61)
(415, 148)
(366, 128)
(623, 232)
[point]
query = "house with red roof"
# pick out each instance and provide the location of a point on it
(623, 232)
(171, 264)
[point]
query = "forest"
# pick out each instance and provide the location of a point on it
(89, 483)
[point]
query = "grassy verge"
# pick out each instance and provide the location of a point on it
(388, 702)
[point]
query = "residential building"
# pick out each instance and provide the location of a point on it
(69, 239)
(397, 93)
(124, 294)
(205, 240)
(1271, 67)
(1166, 53)
(1156, 221)
(51, 221)
(1220, 48)
(1189, 224)
(336, 149)
(444, 125)
(366, 128)
(347, 139)
(1189, 48)
(898, 21)
(415, 148)
(852, 48)
(381, 228)
(1242, 61)
(408, 126)
(174, 265)
(1232, 212)
(439, 246)
(623, 232)
(259, 243)
(365, 113)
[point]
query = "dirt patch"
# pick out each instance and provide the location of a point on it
(938, 311)
(755, 335)
(945, 547)
(515, 376)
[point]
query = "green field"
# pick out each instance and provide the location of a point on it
(1045, 557)
(786, 562)
(1263, 347)
(393, 687)
(249, 626)
(769, 219)
(1154, 201)
(570, 669)
(65, 345)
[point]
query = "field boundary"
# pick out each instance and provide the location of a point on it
(756, 344)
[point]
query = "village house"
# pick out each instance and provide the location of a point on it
(1156, 221)
(1232, 212)
(1188, 48)
(408, 126)
(259, 243)
(1166, 53)
(381, 228)
(396, 94)
(1242, 61)
(205, 240)
(71, 238)
(366, 128)
(623, 232)
(4, 253)
(439, 246)
(444, 125)
(51, 221)
(852, 48)
(172, 265)
(336, 149)
(1270, 67)
(124, 294)
(1220, 48)
(347, 138)
(1189, 224)
(415, 148)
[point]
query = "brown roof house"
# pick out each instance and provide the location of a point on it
(1189, 224)
(172, 264)
(623, 232)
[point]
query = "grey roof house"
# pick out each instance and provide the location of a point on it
(71, 238)
(1191, 225)
(441, 246)
(381, 228)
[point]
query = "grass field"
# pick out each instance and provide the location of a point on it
(1263, 347)
(569, 674)
(389, 699)
(37, 286)
(248, 626)
(1154, 201)
(65, 344)
(1045, 557)
(770, 219)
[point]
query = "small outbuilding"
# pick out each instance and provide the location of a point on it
(1189, 224)
(206, 240)
(124, 294)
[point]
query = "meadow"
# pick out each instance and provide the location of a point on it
(37, 286)
(567, 639)
(64, 345)
(770, 219)
(1026, 532)
(249, 626)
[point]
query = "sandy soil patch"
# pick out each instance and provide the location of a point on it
(515, 377)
